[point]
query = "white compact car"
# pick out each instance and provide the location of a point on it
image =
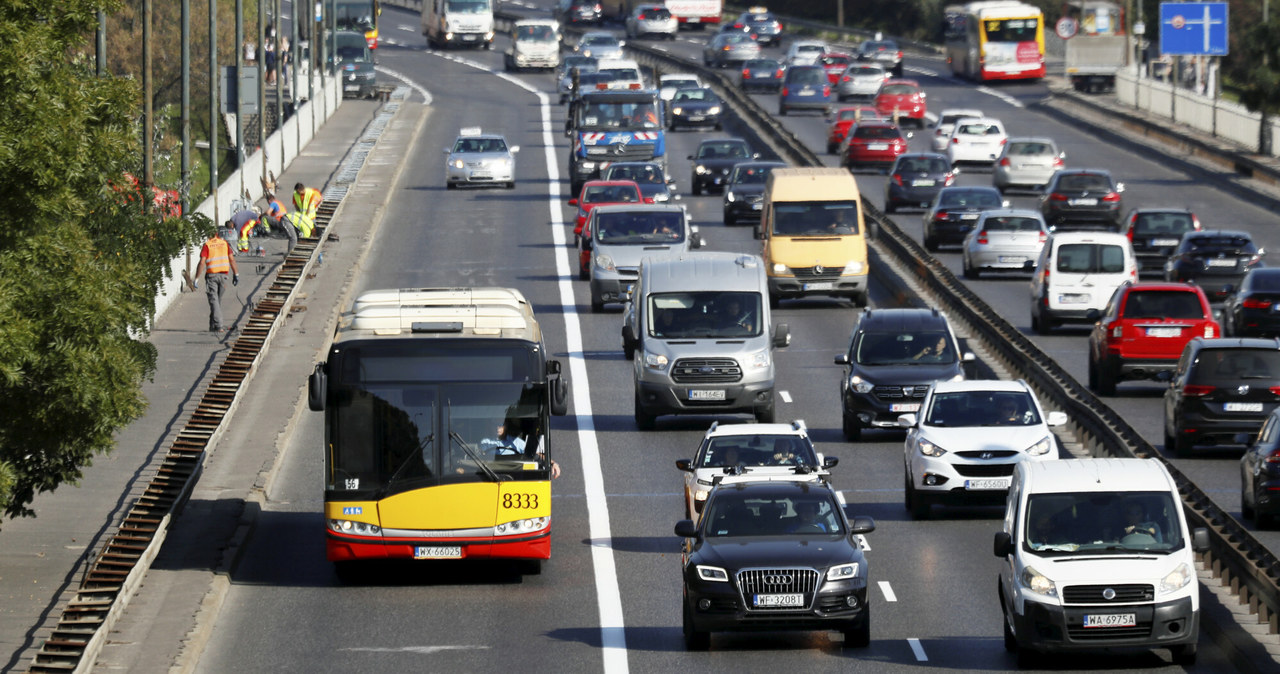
(946, 122)
(804, 52)
(535, 43)
(976, 140)
(670, 82)
(652, 21)
(478, 158)
(1028, 163)
(750, 452)
(963, 445)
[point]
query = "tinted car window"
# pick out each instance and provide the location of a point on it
(1090, 258)
(806, 76)
(1084, 182)
(1216, 244)
(982, 408)
(757, 450)
(1011, 224)
(1268, 280)
(876, 132)
(761, 64)
(976, 198)
(622, 228)
(886, 348)
(1162, 304)
(1222, 366)
(731, 514)
(1163, 223)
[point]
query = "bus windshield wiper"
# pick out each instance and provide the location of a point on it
(484, 467)
(416, 454)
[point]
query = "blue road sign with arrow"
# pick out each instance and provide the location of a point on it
(1193, 28)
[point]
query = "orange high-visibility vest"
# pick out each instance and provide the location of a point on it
(216, 254)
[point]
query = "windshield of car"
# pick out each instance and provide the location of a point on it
(704, 314)
(680, 82)
(725, 150)
(808, 49)
(872, 47)
(756, 450)
(1011, 223)
(970, 199)
(866, 71)
(898, 89)
(465, 145)
(1268, 279)
(977, 129)
(950, 119)
(356, 54)
(731, 514)
(806, 76)
(598, 41)
(835, 60)
(610, 194)
(1099, 523)
(468, 6)
(982, 408)
(536, 33)
(815, 218)
(1148, 224)
(1090, 258)
(749, 175)
(701, 95)
(1227, 366)
(858, 114)
(877, 132)
(1163, 304)
(1084, 182)
(1029, 149)
(649, 174)
(1213, 245)
(903, 348)
(735, 38)
(761, 64)
(639, 228)
(655, 14)
(923, 165)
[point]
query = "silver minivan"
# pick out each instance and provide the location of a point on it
(623, 235)
(698, 328)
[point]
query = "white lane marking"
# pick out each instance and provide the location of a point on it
(888, 591)
(613, 637)
(410, 28)
(426, 95)
(918, 650)
(1002, 96)
(923, 71)
(863, 544)
(421, 650)
(786, 397)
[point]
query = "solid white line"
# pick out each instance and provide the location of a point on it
(786, 397)
(918, 650)
(608, 597)
(1002, 96)
(888, 591)
(426, 95)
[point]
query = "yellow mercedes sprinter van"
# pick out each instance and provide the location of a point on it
(814, 235)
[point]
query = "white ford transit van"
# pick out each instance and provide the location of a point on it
(1096, 554)
(1075, 276)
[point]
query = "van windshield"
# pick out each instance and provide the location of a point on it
(815, 218)
(707, 314)
(1102, 523)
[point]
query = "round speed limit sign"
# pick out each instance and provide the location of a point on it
(1066, 27)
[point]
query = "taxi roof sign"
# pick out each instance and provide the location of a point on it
(758, 9)
(469, 131)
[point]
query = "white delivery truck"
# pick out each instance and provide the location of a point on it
(452, 23)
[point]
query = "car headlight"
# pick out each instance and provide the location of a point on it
(760, 359)
(587, 165)
(854, 267)
(701, 494)
(729, 196)
(860, 385)
(604, 262)
(521, 526)
(701, 170)
(457, 163)
(843, 571)
(714, 574)
(1037, 582)
(779, 268)
(655, 361)
(661, 197)
(1176, 580)
(677, 111)
(356, 528)
(929, 449)
(713, 110)
(1040, 448)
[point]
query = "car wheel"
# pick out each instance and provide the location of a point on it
(831, 148)
(696, 188)
(694, 640)
(511, 185)
(1247, 510)
(858, 634)
(774, 301)
(1184, 655)
(767, 414)
(451, 186)
(1106, 379)
(1093, 374)
(1043, 324)
(970, 272)
(860, 300)
(644, 420)
(628, 350)
(889, 207)
(1010, 641)
(916, 506)
(782, 111)
(719, 126)
(584, 273)
(851, 428)
(931, 244)
(1176, 445)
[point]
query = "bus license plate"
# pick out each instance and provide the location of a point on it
(1111, 620)
(779, 600)
(705, 394)
(1241, 407)
(988, 483)
(437, 552)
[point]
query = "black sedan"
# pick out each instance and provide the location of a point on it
(775, 556)
(1214, 259)
(714, 160)
(762, 75)
(915, 180)
(1260, 475)
(1254, 309)
(696, 106)
(744, 193)
(1082, 199)
(1156, 232)
(955, 211)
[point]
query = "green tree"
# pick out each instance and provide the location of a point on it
(80, 263)
(1253, 68)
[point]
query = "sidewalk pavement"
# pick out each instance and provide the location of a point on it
(43, 559)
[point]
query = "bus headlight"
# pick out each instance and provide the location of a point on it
(525, 526)
(655, 361)
(355, 528)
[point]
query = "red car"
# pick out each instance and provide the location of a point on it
(839, 123)
(835, 63)
(600, 192)
(1144, 330)
(876, 144)
(902, 100)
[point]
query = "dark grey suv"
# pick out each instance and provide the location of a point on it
(893, 357)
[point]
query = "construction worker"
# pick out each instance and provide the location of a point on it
(275, 217)
(216, 262)
(297, 225)
(306, 200)
(243, 221)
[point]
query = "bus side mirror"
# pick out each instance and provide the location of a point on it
(316, 385)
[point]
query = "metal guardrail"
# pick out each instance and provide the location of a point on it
(1234, 555)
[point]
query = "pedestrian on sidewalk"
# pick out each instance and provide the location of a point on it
(285, 57)
(306, 200)
(269, 54)
(216, 263)
(243, 221)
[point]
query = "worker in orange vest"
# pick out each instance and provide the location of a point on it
(216, 263)
(306, 200)
(276, 218)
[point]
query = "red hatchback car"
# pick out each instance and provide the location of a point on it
(1143, 331)
(902, 100)
(835, 64)
(602, 192)
(839, 123)
(875, 144)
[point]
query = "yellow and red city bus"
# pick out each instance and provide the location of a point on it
(995, 40)
(360, 16)
(436, 428)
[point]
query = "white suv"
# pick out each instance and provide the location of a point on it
(750, 453)
(966, 440)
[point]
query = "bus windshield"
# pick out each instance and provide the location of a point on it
(357, 16)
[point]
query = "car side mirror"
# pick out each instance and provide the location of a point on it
(514, 149)
(317, 382)
(1119, 187)
(1005, 203)
(1200, 539)
(1002, 546)
(685, 465)
(1062, 155)
(622, 43)
(955, 170)
(691, 157)
(782, 335)
(911, 134)
(862, 524)
(445, 150)
(968, 357)
(842, 359)
(829, 462)
(906, 420)
(755, 155)
(1262, 252)
(1056, 418)
(573, 201)
(686, 529)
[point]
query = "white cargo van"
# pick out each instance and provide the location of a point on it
(1075, 276)
(454, 23)
(1096, 554)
